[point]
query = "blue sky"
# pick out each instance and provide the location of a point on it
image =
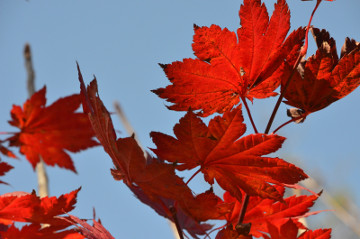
(122, 42)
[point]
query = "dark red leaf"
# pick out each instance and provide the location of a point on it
(324, 78)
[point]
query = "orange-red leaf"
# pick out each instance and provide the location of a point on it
(35, 231)
(324, 78)
(234, 161)
(262, 211)
(230, 66)
(49, 131)
(289, 230)
(22, 207)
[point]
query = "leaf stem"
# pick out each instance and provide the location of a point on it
(249, 114)
(287, 122)
(243, 208)
(272, 117)
(198, 171)
(178, 228)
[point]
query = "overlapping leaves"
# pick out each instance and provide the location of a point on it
(152, 180)
(25, 207)
(235, 162)
(260, 212)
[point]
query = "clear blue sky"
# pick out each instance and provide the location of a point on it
(121, 42)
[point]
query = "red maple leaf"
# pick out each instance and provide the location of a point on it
(5, 151)
(317, 234)
(324, 78)
(261, 211)
(4, 168)
(229, 66)
(289, 230)
(236, 163)
(230, 233)
(35, 231)
(97, 231)
(48, 132)
(25, 207)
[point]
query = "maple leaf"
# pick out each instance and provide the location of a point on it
(35, 231)
(5, 151)
(289, 230)
(162, 207)
(25, 207)
(324, 77)
(222, 155)
(230, 233)
(4, 168)
(317, 234)
(231, 67)
(97, 231)
(48, 132)
(261, 211)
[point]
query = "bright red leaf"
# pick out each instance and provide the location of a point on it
(229, 66)
(235, 162)
(289, 230)
(47, 132)
(262, 211)
(324, 78)
(35, 231)
(23, 207)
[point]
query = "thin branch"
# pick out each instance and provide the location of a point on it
(30, 70)
(281, 97)
(198, 171)
(43, 180)
(287, 122)
(129, 129)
